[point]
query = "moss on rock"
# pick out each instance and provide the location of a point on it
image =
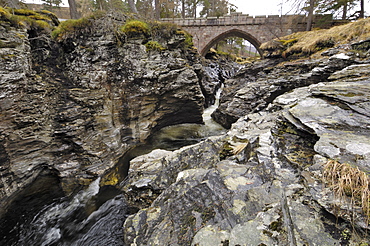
(135, 28)
(69, 27)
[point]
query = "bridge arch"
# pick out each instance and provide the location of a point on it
(232, 33)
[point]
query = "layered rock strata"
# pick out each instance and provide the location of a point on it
(261, 183)
(71, 109)
(257, 85)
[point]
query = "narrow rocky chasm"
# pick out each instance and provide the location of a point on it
(75, 106)
(72, 107)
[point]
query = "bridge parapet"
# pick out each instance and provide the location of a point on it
(207, 32)
(236, 19)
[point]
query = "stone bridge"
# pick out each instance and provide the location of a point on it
(207, 32)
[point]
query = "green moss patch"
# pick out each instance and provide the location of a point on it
(69, 27)
(154, 45)
(4, 14)
(188, 38)
(135, 28)
(25, 18)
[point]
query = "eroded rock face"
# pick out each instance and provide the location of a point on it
(258, 85)
(261, 183)
(71, 111)
(214, 72)
(73, 108)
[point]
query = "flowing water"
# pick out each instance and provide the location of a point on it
(174, 137)
(46, 228)
(95, 216)
(68, 222)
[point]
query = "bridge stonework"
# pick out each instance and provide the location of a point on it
(207, 32)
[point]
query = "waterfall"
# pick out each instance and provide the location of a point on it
(211, 127)
(176, 136)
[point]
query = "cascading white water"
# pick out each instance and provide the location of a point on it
(46, 227)
(211, 127)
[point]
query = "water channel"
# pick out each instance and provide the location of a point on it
(95, 216)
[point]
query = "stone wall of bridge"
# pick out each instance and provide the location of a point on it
(256, 29)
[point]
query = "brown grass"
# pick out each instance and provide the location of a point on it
(239, 148)
(348, 182)
(306, 43)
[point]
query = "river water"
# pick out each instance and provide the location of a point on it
(174, 137)
(69, 223)
(95, 216)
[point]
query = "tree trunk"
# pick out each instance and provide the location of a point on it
(73, 9)
(345, 8)
(157, 9)
(195, 10)
(132, 6)
(12, 3)
(100, 5)
(362, 11)
(310, 15)
(183, 9)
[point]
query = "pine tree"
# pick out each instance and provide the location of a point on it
(214, 8)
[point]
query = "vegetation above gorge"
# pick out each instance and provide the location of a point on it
(25, 18)
(155, 34)
(302, 44)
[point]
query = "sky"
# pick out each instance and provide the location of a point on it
(259, 7)
(251, 7)
(272, 7)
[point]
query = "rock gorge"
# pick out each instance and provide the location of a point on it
(71, 109)
(73, 106)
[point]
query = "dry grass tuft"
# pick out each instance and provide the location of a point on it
(349, 182)
(308, 44)
(239, 148)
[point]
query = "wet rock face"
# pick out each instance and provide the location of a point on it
(214, 73)
(75, 107)
(258, 85)
(261, 183)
